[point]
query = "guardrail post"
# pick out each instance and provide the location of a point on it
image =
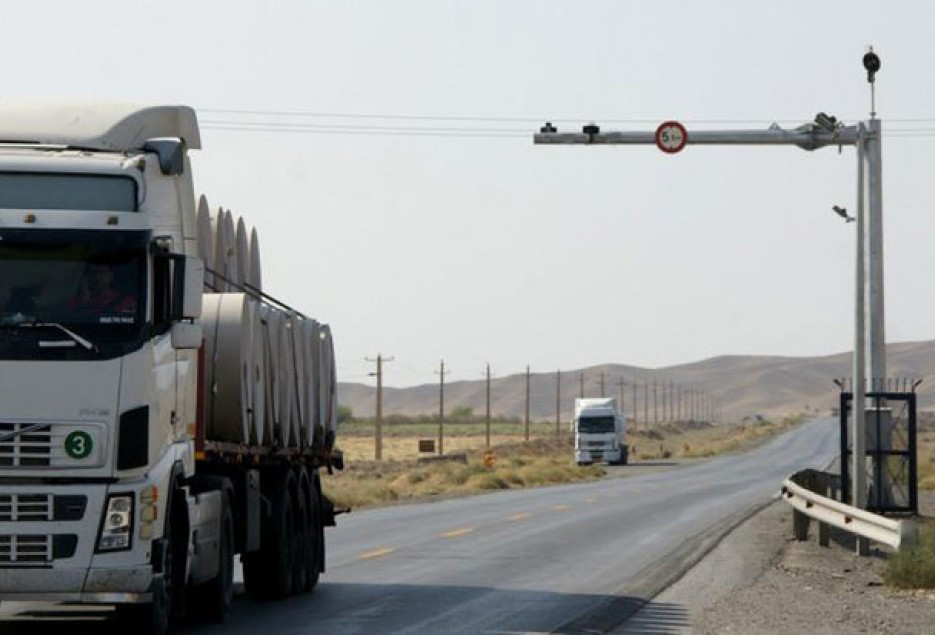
(824, 535)
(799, 525)
(823, 487)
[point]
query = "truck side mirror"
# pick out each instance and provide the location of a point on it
(177, 288)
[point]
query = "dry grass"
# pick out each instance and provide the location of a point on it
(517, 464)
(690, 441)
(914, 568)
(925, 451)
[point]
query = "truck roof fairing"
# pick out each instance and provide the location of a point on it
(110, 126)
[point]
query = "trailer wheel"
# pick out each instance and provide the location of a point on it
(301, 568)
(213, 599)
(268, 572)
(284, 558)
(315, 540)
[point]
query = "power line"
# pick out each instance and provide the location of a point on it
(532, 120)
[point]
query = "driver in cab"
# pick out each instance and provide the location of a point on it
(97, 294)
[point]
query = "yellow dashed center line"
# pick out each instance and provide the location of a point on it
(561, 508)
(454, 533)
(376, 553)
(519, 516)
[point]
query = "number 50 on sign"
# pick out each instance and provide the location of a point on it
(671, 137)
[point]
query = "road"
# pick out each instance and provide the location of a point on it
(575, 558)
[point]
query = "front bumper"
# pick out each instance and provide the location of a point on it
(595, 455)
(125, 584)
(48, 535)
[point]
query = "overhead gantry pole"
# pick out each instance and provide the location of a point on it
(824, 131)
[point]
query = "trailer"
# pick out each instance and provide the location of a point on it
(160, 413)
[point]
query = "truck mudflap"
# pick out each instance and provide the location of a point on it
(329, 512)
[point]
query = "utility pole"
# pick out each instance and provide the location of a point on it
(655, 403)
(664, 409)
(527, 403)
(671, 400)
(621, 384)
(646, 403)
(635, 403)
(378, 433)
(487, 411)
(679, 402)
(558, 404)
(581, 384)
(602, 383)
(441, 408)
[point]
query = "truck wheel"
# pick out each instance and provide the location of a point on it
(212, 600)
(154, 618)
(315, 540)
(268, 572)
(301, 568)
(147, 619)
(284, 558)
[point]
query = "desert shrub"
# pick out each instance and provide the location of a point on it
(487, 480)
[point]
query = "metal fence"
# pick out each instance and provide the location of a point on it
(891, 462)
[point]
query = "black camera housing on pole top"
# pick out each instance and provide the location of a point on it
(872, 64)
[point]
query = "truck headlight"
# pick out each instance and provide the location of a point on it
(117, 524)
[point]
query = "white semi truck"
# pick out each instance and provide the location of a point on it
(599, 430)
(159, 413)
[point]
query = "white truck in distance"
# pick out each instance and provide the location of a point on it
(599, 429)
(159, 413)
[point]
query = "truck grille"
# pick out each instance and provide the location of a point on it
(25, 550)
(29, 446)
(37, 445)
(26, 507)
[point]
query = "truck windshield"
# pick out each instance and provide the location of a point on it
(89, 282)
(595, 425)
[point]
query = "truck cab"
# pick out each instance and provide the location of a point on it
(598, 429)
(112, 489)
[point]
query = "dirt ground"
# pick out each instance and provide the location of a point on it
(760, 580)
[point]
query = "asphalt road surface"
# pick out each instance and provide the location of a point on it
(576, 558)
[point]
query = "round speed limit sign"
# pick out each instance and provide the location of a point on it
(671, 137)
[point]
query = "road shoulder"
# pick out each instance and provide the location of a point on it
(759, 580)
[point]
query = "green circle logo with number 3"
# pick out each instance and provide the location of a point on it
(78, 445)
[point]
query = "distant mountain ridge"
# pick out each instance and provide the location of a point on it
(744, 385)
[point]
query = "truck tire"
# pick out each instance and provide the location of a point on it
(315, 542)
(147, 619)
(212, 600)
(156, 617)
(301, 568)
(268, 573)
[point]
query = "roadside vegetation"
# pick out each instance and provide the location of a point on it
(547, 458)
(914, 568)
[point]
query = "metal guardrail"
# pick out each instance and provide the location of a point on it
(806, 490)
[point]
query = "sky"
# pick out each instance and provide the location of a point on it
(383, 149)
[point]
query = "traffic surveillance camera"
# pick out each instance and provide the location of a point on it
(872, 64)
(548, 127)
(826, 122)
(591, 129)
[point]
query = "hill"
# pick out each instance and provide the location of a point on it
(743, 385)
